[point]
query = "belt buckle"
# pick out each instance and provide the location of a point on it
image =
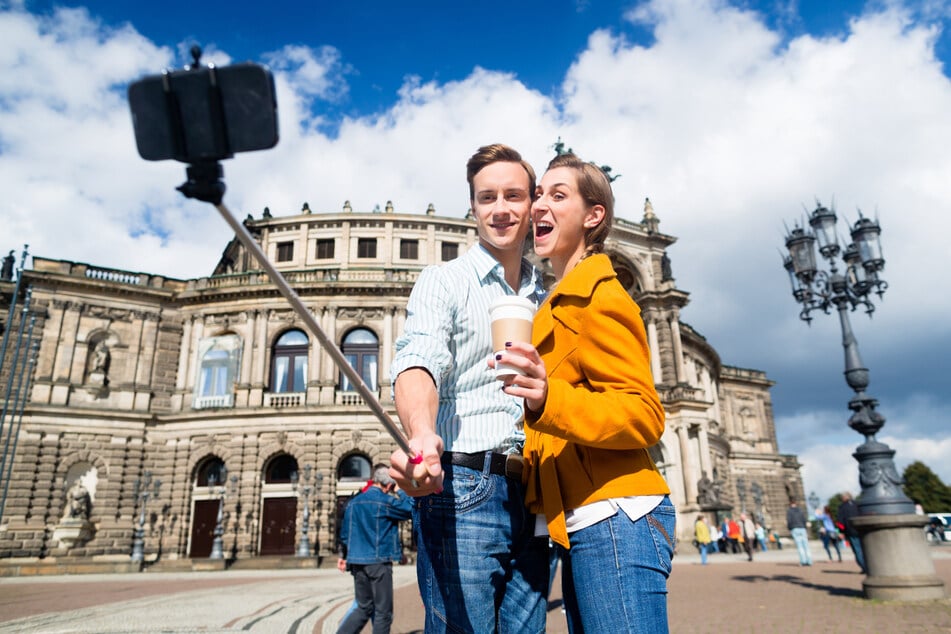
(514, 463)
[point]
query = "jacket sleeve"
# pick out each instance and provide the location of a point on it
(615, 406)
(401, 507)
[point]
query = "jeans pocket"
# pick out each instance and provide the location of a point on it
(662, 522)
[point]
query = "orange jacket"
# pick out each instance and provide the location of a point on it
(602, 413)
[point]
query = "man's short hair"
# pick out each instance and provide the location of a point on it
(381, 476)
(497, 153)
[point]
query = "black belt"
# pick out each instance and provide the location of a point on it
(508, 465)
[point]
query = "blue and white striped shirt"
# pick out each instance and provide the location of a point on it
(448, 333)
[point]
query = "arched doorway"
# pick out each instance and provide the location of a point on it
(278, 507)
(205, 502)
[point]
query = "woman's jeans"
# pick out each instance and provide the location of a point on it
(479, 566)
(614, 577)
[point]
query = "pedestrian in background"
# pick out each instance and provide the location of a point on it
(828, 532)
(371, 544)
(796, 523)
(701, 533)
(847, 510)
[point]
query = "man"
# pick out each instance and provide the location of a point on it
(480, 568)
(701, 533)
(848, 510)
(371, 544)
(796, 523)
(748, 531)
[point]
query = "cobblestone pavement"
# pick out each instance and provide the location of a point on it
(771, 594)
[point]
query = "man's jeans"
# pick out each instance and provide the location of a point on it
(373, 592)
(801, 538)
(614, 577)
(703, 553)
(856, 544)
(480, 568)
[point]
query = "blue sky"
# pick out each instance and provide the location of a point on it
(733, 117)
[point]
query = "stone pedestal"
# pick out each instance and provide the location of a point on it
(898, 558)
(74, 531)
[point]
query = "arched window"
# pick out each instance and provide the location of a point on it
(354, 467)
(212, 473)
(362, 350)
(289, 363)
(280, 469)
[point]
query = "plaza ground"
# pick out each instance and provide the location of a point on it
(773, 593)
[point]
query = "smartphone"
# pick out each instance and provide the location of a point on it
(204, 114)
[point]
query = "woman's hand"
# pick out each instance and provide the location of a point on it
(533, 384)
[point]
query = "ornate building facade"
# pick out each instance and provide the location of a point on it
(179, 419)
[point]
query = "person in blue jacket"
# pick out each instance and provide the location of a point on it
(370, 539)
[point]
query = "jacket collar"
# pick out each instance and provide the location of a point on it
(588, 273)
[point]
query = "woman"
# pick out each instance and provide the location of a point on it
(591, 414)
(828, 532)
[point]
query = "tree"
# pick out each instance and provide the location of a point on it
(924, 487)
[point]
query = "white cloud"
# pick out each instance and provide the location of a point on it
(728, 127)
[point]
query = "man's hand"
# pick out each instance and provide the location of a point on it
(421, 474)
(341, 564)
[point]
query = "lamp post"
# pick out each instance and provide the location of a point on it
(217, 545)
(143, 489)
(813, 503)
(303, 486)
(887, 519)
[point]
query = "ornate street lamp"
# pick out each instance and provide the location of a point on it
(303, 486)
(899, 565)
(143, 489)
(817, 289)
(217, 545)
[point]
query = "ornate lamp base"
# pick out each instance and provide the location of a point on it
(899, 563)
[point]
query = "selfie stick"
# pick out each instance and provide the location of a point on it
(204, 183)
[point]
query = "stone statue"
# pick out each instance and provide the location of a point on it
(78, 502)
(665, 271)
(101, 357)
(6, 273)
(707, 491)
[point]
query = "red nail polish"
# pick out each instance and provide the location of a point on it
(416, 459)
(498, 357)
(508, 344)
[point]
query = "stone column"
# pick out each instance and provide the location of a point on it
(705, 465)
(654, 346)
(678, 350)
(690, 477)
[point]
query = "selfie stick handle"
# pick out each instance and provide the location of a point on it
(355, 379)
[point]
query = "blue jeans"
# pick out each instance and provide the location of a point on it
(856, 545)
(801, 538)
(479, 566)
(614, 577)
(703, 553)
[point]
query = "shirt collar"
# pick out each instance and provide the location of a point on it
(486, 265)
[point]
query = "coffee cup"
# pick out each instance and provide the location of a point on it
(511, 317)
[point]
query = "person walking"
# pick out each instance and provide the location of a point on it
(748, 535)
(828, 532)
(701, 533)
(796, 523)
(592, 413)
(371, 544)
(847, 510)
(480, 567)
